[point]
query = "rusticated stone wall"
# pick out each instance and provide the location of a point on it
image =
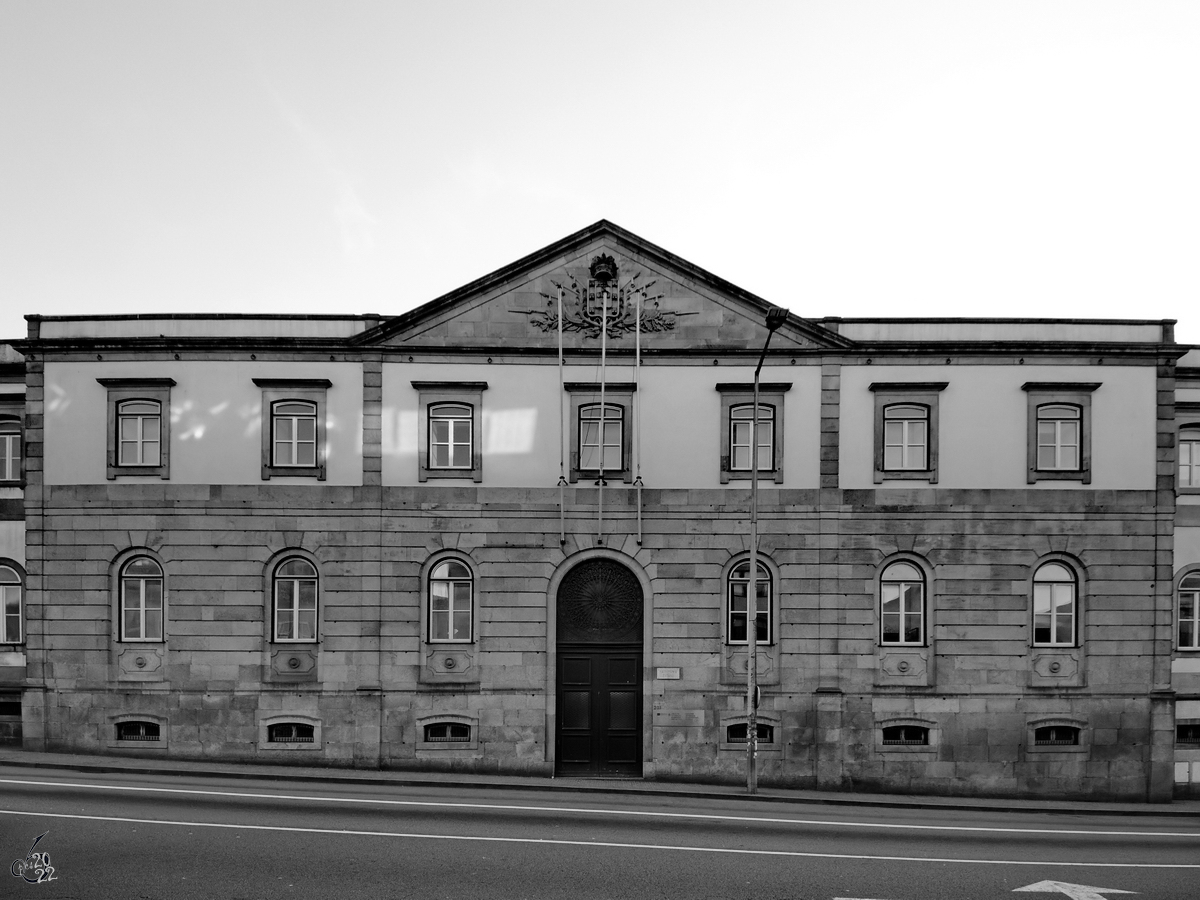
(827, 685)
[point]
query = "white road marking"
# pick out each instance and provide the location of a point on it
(608, 812)
(620, 846)
(1074, 891)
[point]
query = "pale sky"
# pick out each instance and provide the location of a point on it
(885, 158)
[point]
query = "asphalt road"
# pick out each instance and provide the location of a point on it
(152, 836)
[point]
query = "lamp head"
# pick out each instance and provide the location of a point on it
(776, 316)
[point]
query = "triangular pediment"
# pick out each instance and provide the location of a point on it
(601, 280)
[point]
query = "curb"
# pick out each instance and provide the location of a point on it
(881, 801)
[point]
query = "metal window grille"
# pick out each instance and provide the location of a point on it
(1187, 733)
(447, 733)
(138, 731)
(1056, 736)
(908, 735)
(290, 733)
(736, 734)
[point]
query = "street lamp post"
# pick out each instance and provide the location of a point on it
(776, 316)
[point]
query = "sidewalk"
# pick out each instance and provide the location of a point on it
(452, 780)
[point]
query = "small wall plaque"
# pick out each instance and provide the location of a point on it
(679, 718)
(667, 674)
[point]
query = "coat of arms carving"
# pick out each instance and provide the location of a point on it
(603, 303)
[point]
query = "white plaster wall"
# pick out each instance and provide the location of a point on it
(12, 541)
(680, 421)
(1187, 547)
(216, 419)
(999, 330)
(983, 422)
(200, 326)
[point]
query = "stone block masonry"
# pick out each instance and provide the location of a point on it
(827, 695)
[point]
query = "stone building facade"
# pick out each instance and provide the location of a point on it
(508, 531)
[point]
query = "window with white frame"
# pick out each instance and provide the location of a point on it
(1189, 612)
(600, 432)
(450, 436)
(1058, 437)
(737, 421)
(601, 438)
(1189, 458)
(139, 426)
(738, 591)
(293, 427)
(11, 611)
(905, 437)
(1055, 598)
(1059, 431)
(906, 430)
(295, 593)
(10, 449)
(293, 433)
(449, 418)
(741, 426)
(141, 586)
(451, 599)
(902, 605)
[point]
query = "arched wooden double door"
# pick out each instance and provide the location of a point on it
(598, 729)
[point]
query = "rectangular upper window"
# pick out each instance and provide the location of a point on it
(139, 438)
(737, 427)
(449, 420)
(1189, 460)
(601, 432)
(294, 433)
(601, 438)
(451, 436)
(742, 425)
(10, 447)
(139, 426)
(1058, 433)
(1059, 437)
(293, 427)
(906, 430)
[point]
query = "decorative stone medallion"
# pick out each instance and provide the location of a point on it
(603, 303)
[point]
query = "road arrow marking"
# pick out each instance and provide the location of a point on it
(1074, 891)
